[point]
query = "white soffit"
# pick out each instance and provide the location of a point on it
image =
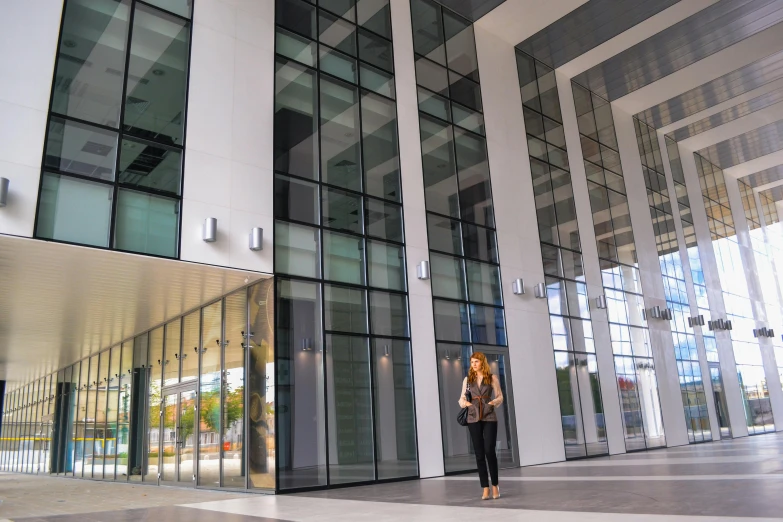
(640, 32)
(742, 98)
(749, 50)
(756, 165)
(516, 20)
(59, 303)
(734, 128)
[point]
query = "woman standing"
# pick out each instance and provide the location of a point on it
(482, 420)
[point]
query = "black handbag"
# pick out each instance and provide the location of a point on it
(462, 416)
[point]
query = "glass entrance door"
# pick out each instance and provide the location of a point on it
(178, 437)
(453, 364)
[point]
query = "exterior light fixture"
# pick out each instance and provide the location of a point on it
(256, 239)
(386, 352)
(423, 270)
(654, 312)
(696, 321)
(600, 301)
(540, 290)
(4, 191)
(307, 344)
(209, 232)
(518, 287)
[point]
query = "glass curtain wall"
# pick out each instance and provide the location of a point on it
(694, 399)
(739, 309)
(112, 164)
(464, 265)
(343, 338)
(581, 407)
(634, 366)
(101, 418)
(774, 235)
(699, 287)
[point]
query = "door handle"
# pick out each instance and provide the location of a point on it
(180, 442)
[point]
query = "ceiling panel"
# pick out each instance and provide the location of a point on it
(589, 26)
(746, 147)
(471, 9)
(722, 89)
(731, 114)
(703, 34)
(775, 193)
(764, 177)
(59, 303)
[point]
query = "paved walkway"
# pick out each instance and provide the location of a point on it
(730, 480)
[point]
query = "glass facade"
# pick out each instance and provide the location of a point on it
(739, 308)
(694, 399)
(464, 263)
(699, 287)
(578, 382)
(617, 257)
(140, 411)
(112, 166)
(343, 353)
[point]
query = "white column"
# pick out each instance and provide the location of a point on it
(28, 36)
(688, 276)
(652, 282)
(531, 357)
(728, 364)
(229, 140)
(425, 371)
(610, 394)
(757, 298)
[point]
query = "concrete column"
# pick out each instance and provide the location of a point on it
(425, 371)
(531, 357)
(686, 270)
(652, 281)
(613, 417)
(728, 364)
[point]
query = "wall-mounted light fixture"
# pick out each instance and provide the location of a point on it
(4, 191)
(764, 332)
(386, 352)
(256, 239)
(600, 301)
(719, 324)
(667, 314)
(696, 321)
(209, 232)
(540, 290)
(654, 312)
(423, 270)
(518, 287)
(307, 344)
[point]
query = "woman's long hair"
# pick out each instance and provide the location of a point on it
(484, 369)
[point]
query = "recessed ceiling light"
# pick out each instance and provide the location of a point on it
(158, 72)
(69, 44)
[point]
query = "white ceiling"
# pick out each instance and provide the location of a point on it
(59, 303)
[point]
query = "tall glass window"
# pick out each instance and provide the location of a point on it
(112, 168)
(694, 399)
(617, 256)
(464, 264)
(343, 337)
(739, 309)
(699, 287)
(581, 406)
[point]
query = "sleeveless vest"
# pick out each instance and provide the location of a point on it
(480, 409)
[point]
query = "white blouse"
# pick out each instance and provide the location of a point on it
(497, 401)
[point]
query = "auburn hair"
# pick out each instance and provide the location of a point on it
(484, 369)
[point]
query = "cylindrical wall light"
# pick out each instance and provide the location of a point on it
(256, 239)
(600, 301)
(540, 290)
(209, 233)
(4, 191)
(423, 270)
(518, 287)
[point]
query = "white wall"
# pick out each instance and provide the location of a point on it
(229, 148)
(28, 37)
(425, 371)
(537, 408)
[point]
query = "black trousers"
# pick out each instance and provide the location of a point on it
(484, 435)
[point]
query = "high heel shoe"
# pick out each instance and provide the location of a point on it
(495, 492)
(485, 496)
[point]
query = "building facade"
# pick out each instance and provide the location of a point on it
(253, 244)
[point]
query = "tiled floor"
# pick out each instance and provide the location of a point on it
(731, 480)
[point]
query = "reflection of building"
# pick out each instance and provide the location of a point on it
(200, 294)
